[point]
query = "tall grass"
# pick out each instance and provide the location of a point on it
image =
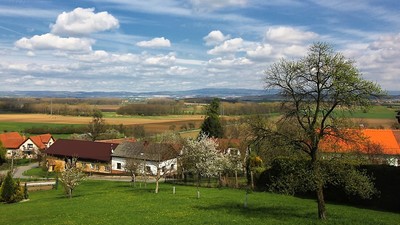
(110, 202)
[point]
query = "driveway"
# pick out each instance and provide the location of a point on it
(21, 169)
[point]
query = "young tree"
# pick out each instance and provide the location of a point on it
(71, 177)
(212, 124)
(132, 166)
(313, 89)
(165, 154)
(97, 126)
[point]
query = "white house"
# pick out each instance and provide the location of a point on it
(148, 156)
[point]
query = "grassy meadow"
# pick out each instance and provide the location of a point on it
(113, 202)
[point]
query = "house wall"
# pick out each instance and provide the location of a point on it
(151, 166)
(29, 149)
(54, 164)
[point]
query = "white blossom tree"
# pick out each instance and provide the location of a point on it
(71, 177)
(202, 158)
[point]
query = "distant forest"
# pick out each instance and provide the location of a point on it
(150, 107)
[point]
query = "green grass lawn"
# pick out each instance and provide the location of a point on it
(110, 202)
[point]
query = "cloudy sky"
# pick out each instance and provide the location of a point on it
(153, 45)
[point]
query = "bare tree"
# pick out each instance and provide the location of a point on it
(71, 177)
(132, 166)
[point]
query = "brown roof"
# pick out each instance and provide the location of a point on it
(88, 150)
(11, 140)
(41, 140)
(117, 141)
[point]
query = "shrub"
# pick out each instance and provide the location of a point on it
(10, 190)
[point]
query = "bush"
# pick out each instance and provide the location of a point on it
(10, 191)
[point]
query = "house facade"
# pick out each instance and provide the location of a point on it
(149, 157)
(20, 147)
(91, 156)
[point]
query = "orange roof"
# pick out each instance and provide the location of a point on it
(41, 140)
(11, 140)
(366, 141)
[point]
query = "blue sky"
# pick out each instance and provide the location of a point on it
(154, 45)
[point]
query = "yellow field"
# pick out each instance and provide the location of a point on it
(155, 124)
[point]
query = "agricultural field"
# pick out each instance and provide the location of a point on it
(152, 124)
(113, 202)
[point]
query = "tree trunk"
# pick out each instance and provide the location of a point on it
(69, 192)
(321, 203)
(236, 180)
(157, 179)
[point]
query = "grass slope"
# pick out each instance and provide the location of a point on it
(107, 202)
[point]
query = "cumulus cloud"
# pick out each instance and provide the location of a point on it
(229, 46)
(289, 35)
(83, 22)
(155, 43)
(215, 37)
(262, 51)
(51, 42)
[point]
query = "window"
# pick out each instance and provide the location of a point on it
(30, 146)
(119, 166)
(172, 166)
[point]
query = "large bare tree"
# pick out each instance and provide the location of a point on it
(314, 88)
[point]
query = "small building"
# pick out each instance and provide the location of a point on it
(91, 156)
(150, 156)
(20, 147)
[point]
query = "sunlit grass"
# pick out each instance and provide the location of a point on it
(107, 202)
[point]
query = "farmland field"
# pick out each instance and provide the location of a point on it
(152, 124)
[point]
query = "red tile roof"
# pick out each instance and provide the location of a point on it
(41, 140)
(367, 141)
(84, 150)
(11, 140)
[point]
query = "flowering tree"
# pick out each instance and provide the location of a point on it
(201, 157)
(71, 177)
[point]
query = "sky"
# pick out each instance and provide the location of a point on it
(173, 45)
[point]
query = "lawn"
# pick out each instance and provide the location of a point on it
(111, 202)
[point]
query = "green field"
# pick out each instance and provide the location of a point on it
(111, 202)
(376, 112)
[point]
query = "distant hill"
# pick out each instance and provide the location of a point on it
(208, 92)
(223, 93)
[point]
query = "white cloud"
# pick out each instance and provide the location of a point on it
(262, 51)
(179, 70)
(229, 62)
(155, 43)
(284, 34)
(83, 22)
(160, 60)
(215, 37)
(229, 46)
(52, 42)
